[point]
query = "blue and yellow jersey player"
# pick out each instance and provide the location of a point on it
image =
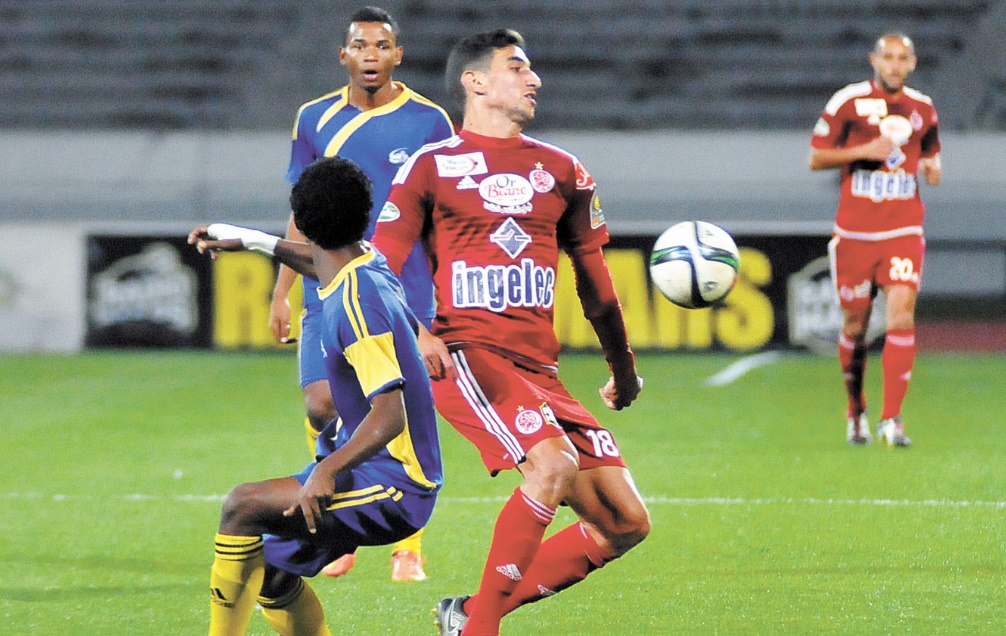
(378, 468)
(377, 123)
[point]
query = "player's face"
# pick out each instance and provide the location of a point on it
(370, 55)
(510, 84)
(892, 61)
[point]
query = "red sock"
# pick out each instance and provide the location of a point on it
(519, 529)
(564, 559)
(897, 360)
(852, 356)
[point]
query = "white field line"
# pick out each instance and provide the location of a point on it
(656, 500)
(734, 371)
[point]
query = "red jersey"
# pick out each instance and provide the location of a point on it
(493, 214)
(879, 199)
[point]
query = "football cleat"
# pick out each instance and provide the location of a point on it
(857, 430)
(340, 566)
(449, 615)
(892, 431)
(407, 566)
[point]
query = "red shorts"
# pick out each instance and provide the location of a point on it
(859, 268)
(505, 409)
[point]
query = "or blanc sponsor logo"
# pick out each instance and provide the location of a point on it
(460, 165)
(528, 422)
(498, 287)
(510, 571)
(506, 190)
(511, 238)
(398, 156)
(389, 212)
(896, 128)
(542, 180)
(878, 185)
(815, 317)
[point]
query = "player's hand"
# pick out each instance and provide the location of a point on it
(279, 319)
(621, 392)
(931, 169)
(314, 497)
(878, 149)
(201, 238)
(436, 357)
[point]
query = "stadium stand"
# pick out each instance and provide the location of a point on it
(627, 65)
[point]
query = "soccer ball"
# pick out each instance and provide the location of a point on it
(694, 264)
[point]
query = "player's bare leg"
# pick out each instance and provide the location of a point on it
(897, 360)
(852, 357)
(240, 576)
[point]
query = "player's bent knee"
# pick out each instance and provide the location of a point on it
(240, 506)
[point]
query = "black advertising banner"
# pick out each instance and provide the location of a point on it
(147, 291)
(158, 291)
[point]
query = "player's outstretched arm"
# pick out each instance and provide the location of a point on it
(436, 357)
(224, 237)
(878, 149)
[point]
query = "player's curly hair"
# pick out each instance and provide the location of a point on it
(475, 53)
(331, 202)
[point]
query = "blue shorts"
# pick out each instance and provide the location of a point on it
(310, 358)
(370, 508)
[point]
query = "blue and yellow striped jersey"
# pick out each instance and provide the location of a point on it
(379, 141)
(370, 346)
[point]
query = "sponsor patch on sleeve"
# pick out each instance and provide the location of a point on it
(596, 213)
(583, 179)
(821, 128)
(389, 212)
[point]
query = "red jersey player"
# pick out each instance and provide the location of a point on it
(494, 207)
(881, 134)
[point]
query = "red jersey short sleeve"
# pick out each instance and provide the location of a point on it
(494, 214)
(879, 199)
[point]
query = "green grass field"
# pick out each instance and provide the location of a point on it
(764, 520)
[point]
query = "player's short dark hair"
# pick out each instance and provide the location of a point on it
(373, 14)
(331, 202)
(475, 52)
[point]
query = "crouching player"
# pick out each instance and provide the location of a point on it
(378, 465)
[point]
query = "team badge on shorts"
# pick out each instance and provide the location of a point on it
(528, 421)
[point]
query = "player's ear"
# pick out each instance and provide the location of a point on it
(399, 52)
(473, 81)
(342, 55)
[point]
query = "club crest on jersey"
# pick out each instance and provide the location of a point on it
(583, 179)
(467, 183)
(916, 120)
(528, 421)
(596, 213)
(398, 156)
(460, 165)
(389, 212)
(872, 108)
(511, 238)
(541, 180)
(506, 194)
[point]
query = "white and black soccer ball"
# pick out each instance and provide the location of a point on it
(694, 264)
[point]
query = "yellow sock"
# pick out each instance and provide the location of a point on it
(412, 544)
(312, 435)
(298, 613)
(235, 582)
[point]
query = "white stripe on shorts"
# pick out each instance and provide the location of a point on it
(483, 408)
